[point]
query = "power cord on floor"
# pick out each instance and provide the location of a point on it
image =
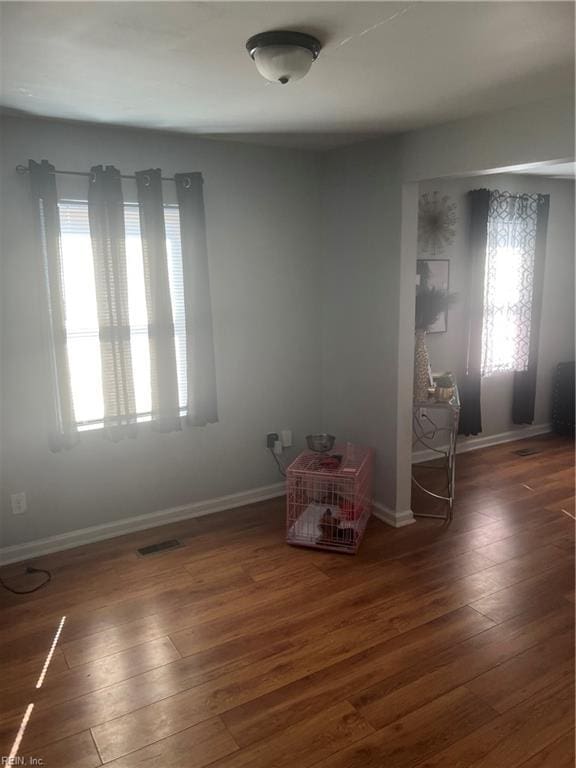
(277, 460)
(29, 569)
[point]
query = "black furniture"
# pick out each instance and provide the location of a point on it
(563, 400)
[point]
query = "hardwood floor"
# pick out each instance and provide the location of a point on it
(435, 646)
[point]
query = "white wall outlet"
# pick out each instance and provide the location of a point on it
(286, 438)
(19, 504)
(278, 447)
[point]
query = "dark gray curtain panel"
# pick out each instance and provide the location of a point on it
(202, 402)
(163, 373)
(470, 383)
(60, 408)
(107, 231)
(524, 389)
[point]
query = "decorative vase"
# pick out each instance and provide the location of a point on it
(422, 372)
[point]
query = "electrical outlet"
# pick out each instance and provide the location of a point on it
(271, 438)
(18, 501)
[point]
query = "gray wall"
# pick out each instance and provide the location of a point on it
(312, 262)
(262, 217)
(370, 194)
(360, 277)
(533, 133)
(448, 350)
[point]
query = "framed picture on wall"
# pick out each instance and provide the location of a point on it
(435, 273)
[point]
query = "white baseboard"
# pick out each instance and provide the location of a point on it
(390, 517)
(29, 549)
(485, 441)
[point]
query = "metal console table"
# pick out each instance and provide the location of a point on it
(432, 420)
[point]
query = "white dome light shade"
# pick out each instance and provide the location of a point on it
(283, 56)
(283, 63)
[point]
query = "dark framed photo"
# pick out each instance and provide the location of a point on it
(435, 273)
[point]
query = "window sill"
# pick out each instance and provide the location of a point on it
(499, 375)
(96, 426)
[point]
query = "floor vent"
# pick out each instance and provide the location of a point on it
(527, 452)
(161, 546)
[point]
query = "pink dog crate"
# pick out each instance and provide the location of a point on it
(329, 502)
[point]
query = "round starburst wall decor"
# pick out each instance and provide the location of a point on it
(436, 222)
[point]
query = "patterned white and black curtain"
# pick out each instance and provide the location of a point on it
(516, 244)
(510, 282)
(507, 250)
(525, 380)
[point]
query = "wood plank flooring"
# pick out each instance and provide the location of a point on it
(435, 646)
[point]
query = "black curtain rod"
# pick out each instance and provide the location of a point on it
(25, 169)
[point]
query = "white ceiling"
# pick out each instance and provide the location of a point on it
(182, 66)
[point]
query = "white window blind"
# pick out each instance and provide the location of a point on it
(82, 332)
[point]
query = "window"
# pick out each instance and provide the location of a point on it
(82, 332)
(509, 282)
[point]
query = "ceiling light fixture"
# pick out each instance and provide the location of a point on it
(283, 56)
